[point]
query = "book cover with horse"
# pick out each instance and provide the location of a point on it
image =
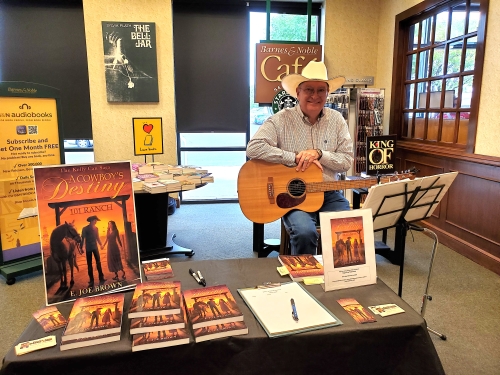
(88, 230)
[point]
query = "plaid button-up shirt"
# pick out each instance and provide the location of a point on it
(289, 131)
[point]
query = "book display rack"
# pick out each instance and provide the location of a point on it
(369, 122)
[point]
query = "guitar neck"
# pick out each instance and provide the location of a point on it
(316, 187)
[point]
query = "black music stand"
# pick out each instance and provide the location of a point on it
(396, 204)
(399, 203)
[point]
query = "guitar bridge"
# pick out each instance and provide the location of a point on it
(270, 190)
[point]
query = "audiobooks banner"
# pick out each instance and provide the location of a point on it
(30, 137)
(88, 229)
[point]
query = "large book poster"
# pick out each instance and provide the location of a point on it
(30, 137)
(88, 229)
(130, 61)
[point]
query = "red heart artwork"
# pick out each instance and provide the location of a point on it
(147, 128)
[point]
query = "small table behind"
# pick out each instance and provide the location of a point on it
(398, 344)
(151, 211)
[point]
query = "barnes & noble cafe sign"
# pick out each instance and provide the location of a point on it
(274, 61)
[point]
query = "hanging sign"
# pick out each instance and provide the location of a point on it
(274, 61)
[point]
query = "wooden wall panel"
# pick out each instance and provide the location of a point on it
(467, 218)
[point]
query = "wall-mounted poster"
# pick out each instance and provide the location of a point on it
(87, 222)
(130, 61)
(148, 136)
(30, 131)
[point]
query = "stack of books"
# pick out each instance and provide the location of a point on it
(147, 177)
(154, 187)
(157, 269)
(157, 319)
(171, 185)
(164, 175)
(142, 168)
(213, 312)
(94, 320)
(137, 184)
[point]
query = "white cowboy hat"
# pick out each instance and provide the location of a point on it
(313, 71)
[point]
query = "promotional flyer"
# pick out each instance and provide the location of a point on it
(30, 137)
(88, 229)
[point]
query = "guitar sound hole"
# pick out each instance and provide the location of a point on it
(296, 188)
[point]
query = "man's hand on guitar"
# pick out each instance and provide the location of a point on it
(304, 159)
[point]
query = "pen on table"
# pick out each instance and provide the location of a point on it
(192, 273)
(294, 311)
(202, 279)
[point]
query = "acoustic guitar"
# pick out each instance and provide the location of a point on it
(267, 191)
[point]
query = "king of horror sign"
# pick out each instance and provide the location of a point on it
(380, 154)
(273, 61)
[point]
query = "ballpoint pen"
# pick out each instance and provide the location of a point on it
(202, 279)
(192, 273)
(294, 311)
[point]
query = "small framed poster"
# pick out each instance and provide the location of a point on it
(348, 249)
(148, 136)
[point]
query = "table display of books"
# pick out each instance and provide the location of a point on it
(174, 177)
(213, 312)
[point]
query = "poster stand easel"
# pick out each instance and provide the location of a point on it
(400, 203)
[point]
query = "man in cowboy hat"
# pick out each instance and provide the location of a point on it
(307, 134)
(90, 239)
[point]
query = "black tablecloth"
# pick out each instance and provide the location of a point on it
(398, 344)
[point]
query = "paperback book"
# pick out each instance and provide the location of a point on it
(157, 269)
(89, 341)
(220, 330)
(88, 229)
(160, 339)
(210, 306)
(156, 323)
(156, 298)
(300, 266)
(50, 318)
(95, 316)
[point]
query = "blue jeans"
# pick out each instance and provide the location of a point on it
(302, 225)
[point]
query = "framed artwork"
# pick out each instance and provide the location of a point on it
(130, 61)
(148, 136)
(348, 249)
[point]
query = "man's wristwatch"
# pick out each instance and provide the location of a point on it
(320, 153)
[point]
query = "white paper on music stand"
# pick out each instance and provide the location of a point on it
(348, 249)
(424, 198)
(391, 198)
(273, 309)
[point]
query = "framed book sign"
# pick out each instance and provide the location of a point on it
(348, 249)
(148, 136)
(130, 61)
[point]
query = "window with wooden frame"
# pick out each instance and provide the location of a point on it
(438, 63)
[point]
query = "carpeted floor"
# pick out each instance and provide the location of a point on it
(466, 297)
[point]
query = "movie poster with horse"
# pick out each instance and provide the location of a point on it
(88, 229)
